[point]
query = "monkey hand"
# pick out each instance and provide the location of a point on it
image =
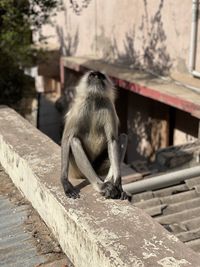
(124, 195)
(109, 190)
(70, 190)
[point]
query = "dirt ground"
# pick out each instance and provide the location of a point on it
(43, 239)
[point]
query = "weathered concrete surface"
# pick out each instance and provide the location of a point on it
(91, 230)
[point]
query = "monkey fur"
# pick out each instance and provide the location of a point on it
(89, 146)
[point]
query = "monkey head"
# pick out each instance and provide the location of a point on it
(95, 82)
(96, 78)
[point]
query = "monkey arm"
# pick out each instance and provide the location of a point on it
(116, 155)
(113, 183)
(113, 153)
(73, 145)
(109, 190)
(123, 139)
(111, 132)
(65, 148)
(69, 189)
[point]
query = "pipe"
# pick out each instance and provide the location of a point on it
(193, 39)
(196, 73)
(161, 181)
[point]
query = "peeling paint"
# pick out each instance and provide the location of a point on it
(119, 210)
(155, 246)
(172, 262)
(148, 255)
(137, 262)
(172, 237)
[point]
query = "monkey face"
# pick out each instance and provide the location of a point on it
(96, 78)
(95, 82)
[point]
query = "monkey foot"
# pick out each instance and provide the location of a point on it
(72, 194)
(115, 192)
(124, 196)
(71, 191)
(112, 191)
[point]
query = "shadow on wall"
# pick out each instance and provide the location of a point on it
(111, 52)
(153, 56)
(156, 57)
(147, 128)
(79, 6)
(146, 137)
(68, 43)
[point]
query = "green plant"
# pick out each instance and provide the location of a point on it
(18, 19)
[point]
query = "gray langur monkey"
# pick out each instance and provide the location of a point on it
(89, 146)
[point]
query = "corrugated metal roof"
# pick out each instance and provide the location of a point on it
(16, 248)
(177, 208)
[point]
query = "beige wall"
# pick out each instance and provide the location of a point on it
(151, 32)
(185, 128)
(154, 34)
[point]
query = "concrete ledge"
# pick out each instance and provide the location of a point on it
(92, 231)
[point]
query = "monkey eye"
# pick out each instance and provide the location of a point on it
(102, 76)
(98, 75)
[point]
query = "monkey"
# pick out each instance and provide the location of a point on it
(90, 144)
